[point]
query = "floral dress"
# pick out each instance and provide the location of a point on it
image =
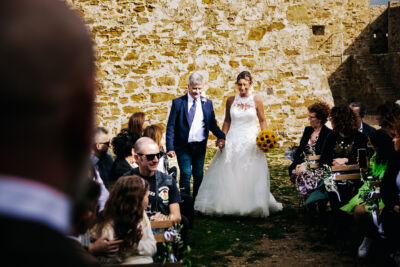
(306, 181)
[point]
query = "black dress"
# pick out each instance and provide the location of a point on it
(343, 147)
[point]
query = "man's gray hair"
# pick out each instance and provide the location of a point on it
(196, 78)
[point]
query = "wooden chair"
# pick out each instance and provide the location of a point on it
(314, 158)
(161, 225)
(353, 172)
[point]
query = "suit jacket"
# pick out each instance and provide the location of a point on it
(298, 156)
(27, 243)
(178, 126)
(367, 129)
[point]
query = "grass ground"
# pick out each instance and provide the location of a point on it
(282, 239)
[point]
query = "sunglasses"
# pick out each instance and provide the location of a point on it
(150, 157)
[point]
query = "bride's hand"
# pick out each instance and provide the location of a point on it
(221, 143)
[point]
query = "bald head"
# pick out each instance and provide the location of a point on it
(47, 82)
(145, 143)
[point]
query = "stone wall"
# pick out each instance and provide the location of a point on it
(394, 29)
(146, 50)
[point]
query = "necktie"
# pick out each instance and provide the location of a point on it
(192, 111)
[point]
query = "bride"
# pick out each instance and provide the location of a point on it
(237, 180)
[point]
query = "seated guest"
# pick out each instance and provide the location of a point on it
(101, 246)
(382, 145)
(137, 123)
(84, 217)
(390, 193)
(155, 132)
(100, 154)
(311, 143)
(124, 218)
(165, 198)
(341, 148)
(123, 149)
(164, 193)
(359, 109)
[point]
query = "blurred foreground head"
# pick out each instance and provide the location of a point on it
(47, 89)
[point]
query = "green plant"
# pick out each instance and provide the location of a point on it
(173, 249)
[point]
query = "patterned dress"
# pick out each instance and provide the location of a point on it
(306, 181)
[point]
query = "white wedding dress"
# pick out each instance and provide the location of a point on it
(237, 180)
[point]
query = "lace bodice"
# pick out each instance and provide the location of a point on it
(244, 117)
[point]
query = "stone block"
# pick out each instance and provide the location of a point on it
(130, 85)
(297, 14)
(166, 80)
(256, 33)
(161, 97)
(131, 110)
(139, 98)
(215, 92)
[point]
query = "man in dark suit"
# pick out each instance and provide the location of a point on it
(190, 120)
(46, 110)
(359, 109)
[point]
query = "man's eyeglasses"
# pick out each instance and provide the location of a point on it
(150, 157)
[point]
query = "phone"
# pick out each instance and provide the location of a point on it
(362, 158)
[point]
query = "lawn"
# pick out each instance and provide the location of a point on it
(282, 239)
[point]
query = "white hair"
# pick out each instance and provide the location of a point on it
(195, 78)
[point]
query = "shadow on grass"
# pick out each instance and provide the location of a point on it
(218, 238)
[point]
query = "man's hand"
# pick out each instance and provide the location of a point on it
(103, 246)
(221, 143)
(340, 161)
(171, 154)
(158, 217)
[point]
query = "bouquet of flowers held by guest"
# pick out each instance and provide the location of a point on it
(267, 141)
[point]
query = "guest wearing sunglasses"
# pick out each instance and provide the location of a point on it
(164, 195)
(100, 154)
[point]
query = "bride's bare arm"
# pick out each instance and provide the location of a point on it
(227, 121)
(260, 113)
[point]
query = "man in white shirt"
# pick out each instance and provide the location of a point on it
(190, 120)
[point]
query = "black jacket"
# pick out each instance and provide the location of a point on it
(298, 156)
(328, 153)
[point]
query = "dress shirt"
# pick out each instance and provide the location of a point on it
(31, 201)
(361, 128)
(196, 133)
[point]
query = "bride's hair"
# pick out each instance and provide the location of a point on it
(244, 75)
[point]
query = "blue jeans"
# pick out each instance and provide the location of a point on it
(191, 161)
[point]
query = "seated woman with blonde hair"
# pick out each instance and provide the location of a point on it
(124, 218)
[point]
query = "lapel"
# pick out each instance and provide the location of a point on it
(185, 107)
(204, 108)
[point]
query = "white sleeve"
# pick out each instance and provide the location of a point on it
(147, 245)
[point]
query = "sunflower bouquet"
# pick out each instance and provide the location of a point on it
(267, 141)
